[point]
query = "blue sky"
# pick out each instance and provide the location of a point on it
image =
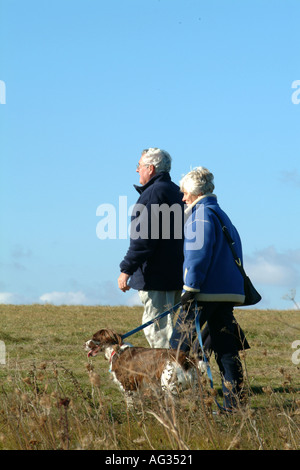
(88, 84)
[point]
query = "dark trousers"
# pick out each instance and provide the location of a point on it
(223, 331)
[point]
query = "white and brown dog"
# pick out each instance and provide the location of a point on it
(134, 368)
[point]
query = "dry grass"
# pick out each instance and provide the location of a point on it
(52, 397)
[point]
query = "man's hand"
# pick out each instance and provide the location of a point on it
(187, 299)
(122, 282)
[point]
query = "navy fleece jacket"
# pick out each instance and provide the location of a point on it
(154, 259)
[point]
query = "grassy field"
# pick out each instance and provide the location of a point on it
(53, 397)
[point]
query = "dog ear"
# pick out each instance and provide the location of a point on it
(107, 335)
(117, 338)
(120, 341)
(110, 336)
(98, 336)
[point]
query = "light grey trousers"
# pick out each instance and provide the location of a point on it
(155, 302)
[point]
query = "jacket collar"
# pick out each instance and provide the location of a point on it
(200, 200)
(161, 176)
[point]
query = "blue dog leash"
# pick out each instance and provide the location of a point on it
(208, 369)
(158, 317)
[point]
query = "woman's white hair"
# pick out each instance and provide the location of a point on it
(198, 181)
(160, 159)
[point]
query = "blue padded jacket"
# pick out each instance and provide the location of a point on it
(209, 267)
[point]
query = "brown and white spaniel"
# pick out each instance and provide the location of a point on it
(134, 368)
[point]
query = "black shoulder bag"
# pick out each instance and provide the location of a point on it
(252, 297)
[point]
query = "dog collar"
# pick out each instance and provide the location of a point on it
(112, 355)
(124, 346)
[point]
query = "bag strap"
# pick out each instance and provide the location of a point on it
(230, 243)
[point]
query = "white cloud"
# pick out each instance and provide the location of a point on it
(6, 298)
(108, 293)
(64, 298)
(105, 294)
(272, 268)
(11, 298)
(133, 299)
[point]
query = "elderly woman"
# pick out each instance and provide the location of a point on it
(212, 281)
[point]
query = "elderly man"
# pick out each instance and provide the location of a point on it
(153, 263)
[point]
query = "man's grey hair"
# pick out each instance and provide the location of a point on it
(159, 158)
(198, 181)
